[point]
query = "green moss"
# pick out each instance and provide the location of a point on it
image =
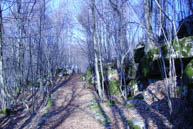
(146, 67)
(114, 88)
(130, 98)
(185, 46)
(6, 111)
(94, 106)
(131, 106)
(189, 71)
(88, 76)
(153, 52)
(112, 102)
(133, 82)
(132, 126)
(147, 63)
(47, 107)
(49, 102)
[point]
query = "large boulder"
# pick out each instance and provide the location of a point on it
(155, 92)
(149, 62)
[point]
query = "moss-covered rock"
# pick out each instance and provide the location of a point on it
(146, 65)
(6, 111)
(134, 124)
(113, 88)
(185, 46)
(189, 73)
(139, 53)
(146, 60)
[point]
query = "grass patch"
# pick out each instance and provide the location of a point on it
(47, 107)
(49, 102)
(53, 94)
(132, 126)
(112, 102)
(131, 106)
(94, 106)
(130, 98)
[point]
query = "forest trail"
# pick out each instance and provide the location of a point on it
(70, 109)
(75, 106)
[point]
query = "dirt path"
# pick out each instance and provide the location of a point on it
(75, 106)
(70, 109)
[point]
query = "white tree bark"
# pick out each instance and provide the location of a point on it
(98, 83)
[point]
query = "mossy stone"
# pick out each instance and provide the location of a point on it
(114, 88)
(6, 111)
(185, 46)
(189, 72)
(153, 52)
(132, 126)
(146, 66)
(148, 59)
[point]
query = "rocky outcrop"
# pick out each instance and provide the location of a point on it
(149, 62)
(155, 92)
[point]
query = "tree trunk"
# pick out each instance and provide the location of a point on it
(98, 83)
(2, 85)
(148, 20)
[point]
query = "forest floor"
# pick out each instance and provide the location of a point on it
(75, 106)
